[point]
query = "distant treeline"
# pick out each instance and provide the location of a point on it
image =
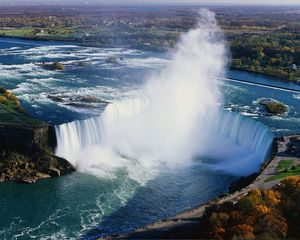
(262, 39)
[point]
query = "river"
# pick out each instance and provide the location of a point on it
(86, 205)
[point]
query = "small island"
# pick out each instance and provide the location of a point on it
(26, 144)
(273, 107)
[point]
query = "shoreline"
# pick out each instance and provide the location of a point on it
(183, 223)
(265, 74)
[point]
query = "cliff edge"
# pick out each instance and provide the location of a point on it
(26, 145)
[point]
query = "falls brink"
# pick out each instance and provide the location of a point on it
(240, 144)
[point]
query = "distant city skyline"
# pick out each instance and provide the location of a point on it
(91, 2)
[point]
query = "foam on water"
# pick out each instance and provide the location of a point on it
(296, 96)
(69, 52)
(145, 62)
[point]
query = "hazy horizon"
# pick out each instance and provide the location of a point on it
(159, 2)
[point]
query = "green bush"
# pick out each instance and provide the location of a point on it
(273, 107)
(276, 108)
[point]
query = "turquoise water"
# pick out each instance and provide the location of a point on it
(81, 205)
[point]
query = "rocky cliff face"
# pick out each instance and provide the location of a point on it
(26, 154)
(23, 138)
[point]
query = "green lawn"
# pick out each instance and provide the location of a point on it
(55, 32)
(284, 169)
(284, 164)
(21, 32)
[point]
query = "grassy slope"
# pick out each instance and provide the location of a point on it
(12, 113)
(22, 32)
(284, 169)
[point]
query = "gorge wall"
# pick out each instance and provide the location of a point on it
(26, 153)
(26, 139)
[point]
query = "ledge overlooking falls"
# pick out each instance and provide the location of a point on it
(26, 145)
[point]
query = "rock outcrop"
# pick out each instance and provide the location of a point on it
(26, 154)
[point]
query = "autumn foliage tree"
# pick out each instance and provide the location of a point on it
(290, 204)
(270, 214)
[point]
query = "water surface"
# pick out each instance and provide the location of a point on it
(83, 205)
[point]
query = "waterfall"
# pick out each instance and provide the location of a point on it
(71, 137)
(246, 132)
(239, 142)
(175, 117)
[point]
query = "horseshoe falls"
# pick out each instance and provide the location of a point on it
(239, 144)
(175, 117)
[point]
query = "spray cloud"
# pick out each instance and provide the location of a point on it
(171, 117)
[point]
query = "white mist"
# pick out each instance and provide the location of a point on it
(176, 102)
(174, 106)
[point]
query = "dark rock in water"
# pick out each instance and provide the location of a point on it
(92, 99)
(54, 171)
(42, 175)
(52, 66)
(55, 98)
(75, 100)
(81, 105)
(83, 64)
(28, 179)
(58, 66)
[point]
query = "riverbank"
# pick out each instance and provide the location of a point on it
(270, 73)
(185, 225)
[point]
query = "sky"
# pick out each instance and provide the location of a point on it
(246, 2)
